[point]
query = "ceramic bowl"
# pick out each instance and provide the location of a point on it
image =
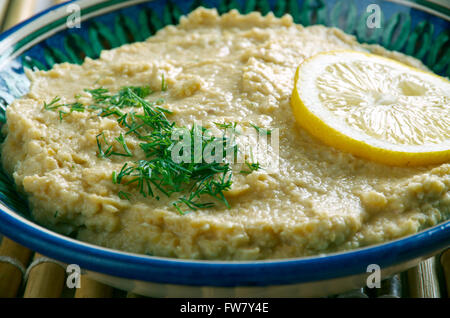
(415, 28)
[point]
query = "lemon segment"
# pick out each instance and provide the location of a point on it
(374, 107)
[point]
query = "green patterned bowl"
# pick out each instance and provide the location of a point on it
(414, 28)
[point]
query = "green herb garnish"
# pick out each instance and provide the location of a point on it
(121, 141)
(53, 104)
(251, 166)
(158, 171)
(102, 153)
(226, 125)
(261, 131)
(124, 195)
(76, 107)
(109, 150)
(191, 179)
(163, 83)
(61, 115)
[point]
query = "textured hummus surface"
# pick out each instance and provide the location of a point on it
(229, 68)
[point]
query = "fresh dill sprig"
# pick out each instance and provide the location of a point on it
(261, 131)
(61, 115)
(111, 103)
(102, 153)
(121, 141)
(226, 125)
(163, 83)
(114, 177)
(76, 107)
(251, 166)
(53, 104)
(124, 195)
(162, 173)
(109, 150)
(158, 172)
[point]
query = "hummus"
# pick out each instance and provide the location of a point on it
(229, 68)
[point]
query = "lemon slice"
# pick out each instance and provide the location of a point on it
(374, 107)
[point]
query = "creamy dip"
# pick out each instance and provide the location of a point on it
(229, 68)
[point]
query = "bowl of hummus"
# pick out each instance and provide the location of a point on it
(103, 100)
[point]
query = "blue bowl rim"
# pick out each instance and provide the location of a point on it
(222, 273)
(216, 273)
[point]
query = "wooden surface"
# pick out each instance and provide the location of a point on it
(91, 289)
(45, 278)
(424, 281)
(10, 275)
(445, 265)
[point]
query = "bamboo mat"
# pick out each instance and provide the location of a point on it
(26, 274)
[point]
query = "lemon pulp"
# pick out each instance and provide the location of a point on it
(374, 107)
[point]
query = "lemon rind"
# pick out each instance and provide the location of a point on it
(366, 146)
